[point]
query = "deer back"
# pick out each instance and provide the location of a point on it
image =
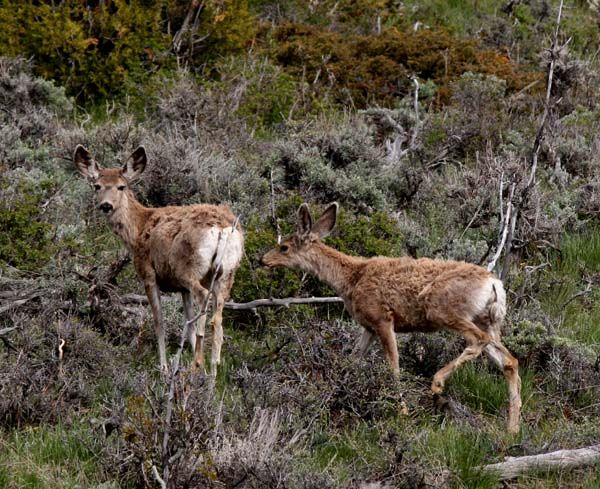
(416, 292)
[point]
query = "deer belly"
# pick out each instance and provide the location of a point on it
(412, 323)
(167, 285)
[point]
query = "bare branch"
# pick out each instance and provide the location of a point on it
(274, 220)
(19, 300)
(287, 302)
(505, 230)
(562, 459)
(7, 330)
(158, 478)
(238, 306)
(413, 139)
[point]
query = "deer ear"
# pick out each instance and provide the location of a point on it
(85, 163)
(326, 222)
(135, 164)
(304, 224)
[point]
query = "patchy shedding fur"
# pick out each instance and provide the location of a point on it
(390, 295)
(173, 247)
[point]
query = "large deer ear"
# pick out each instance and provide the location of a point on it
(304, 224)
(326, 222)
(85, 163)
(135, 164)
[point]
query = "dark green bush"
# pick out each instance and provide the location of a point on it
(25, 238)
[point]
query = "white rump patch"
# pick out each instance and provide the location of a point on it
(225, 244)
(491, 291)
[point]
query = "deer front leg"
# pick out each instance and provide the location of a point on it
(154, 299)
(387, 335)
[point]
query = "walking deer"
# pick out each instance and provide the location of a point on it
(390, 295)
(173, 248)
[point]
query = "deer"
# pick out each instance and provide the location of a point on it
(174, 249)
(387, 295)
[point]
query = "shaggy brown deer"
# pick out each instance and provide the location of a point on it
(173, 248)
(390, 295)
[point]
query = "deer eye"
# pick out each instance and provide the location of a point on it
(284, 248)
(121, 187)
(97, 187)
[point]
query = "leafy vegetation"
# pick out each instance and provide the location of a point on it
(418, 117)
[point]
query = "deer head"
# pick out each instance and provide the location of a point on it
(293, 250)
(110, 184)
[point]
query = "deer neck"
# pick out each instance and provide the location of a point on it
(337, 269)
(129, 219)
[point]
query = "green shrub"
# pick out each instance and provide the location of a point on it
(266, 94)
(25, 237)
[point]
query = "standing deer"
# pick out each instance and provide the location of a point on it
(173, 248)
(390, 295)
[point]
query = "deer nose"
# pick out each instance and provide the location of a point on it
(105, 207)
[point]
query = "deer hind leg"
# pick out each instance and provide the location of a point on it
(221, 293)
(476, 341)
(200, 295)
(154, 299)
(363, 344)
(188, 312)
(509, 365)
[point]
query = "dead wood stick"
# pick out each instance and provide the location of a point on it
(238, 306)
(7, 330)
(504, 231)
(283, 302)
(19, 301)
(561, 459)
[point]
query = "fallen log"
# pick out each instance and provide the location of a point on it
(562, 459)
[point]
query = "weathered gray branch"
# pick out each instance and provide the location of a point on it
(561, 459)
(504, 231)
(283, 302)
(238, 306)
(19, 300)
(7, 330)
